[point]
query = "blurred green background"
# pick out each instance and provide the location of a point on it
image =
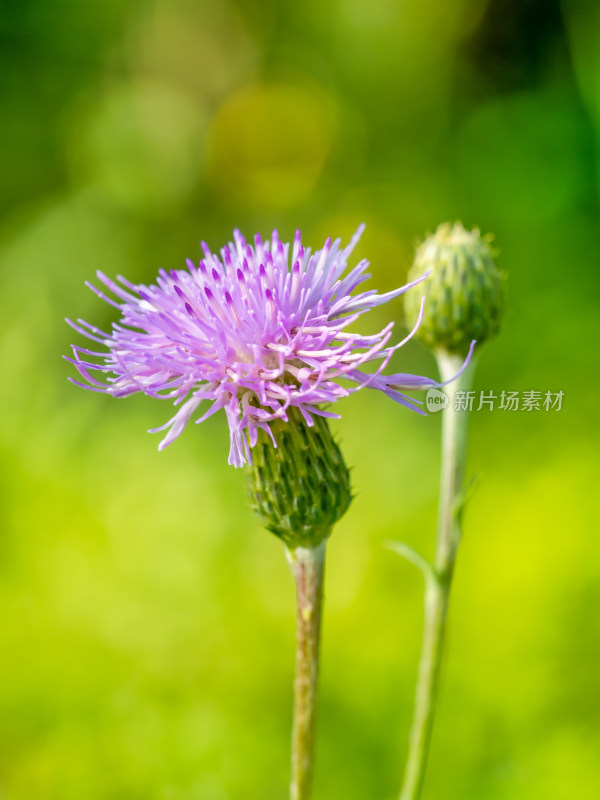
(146, 621)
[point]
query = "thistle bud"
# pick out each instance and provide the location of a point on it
(464, 295)
(300, 488)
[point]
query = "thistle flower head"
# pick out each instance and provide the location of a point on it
(256, 330)
(464, 294)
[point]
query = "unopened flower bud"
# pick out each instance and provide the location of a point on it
(464, 295)
(300, 488)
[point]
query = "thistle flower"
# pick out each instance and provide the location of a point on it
(255, 332)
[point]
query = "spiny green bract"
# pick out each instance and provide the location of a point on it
(300, 488)
(464, 295)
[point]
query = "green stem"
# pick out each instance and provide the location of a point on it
(439, 581)
(308, 567)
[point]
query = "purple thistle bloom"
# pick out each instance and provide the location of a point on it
(247, 333)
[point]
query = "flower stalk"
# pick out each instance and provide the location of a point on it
(439, 577)
(300, 490)
(308, 567)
